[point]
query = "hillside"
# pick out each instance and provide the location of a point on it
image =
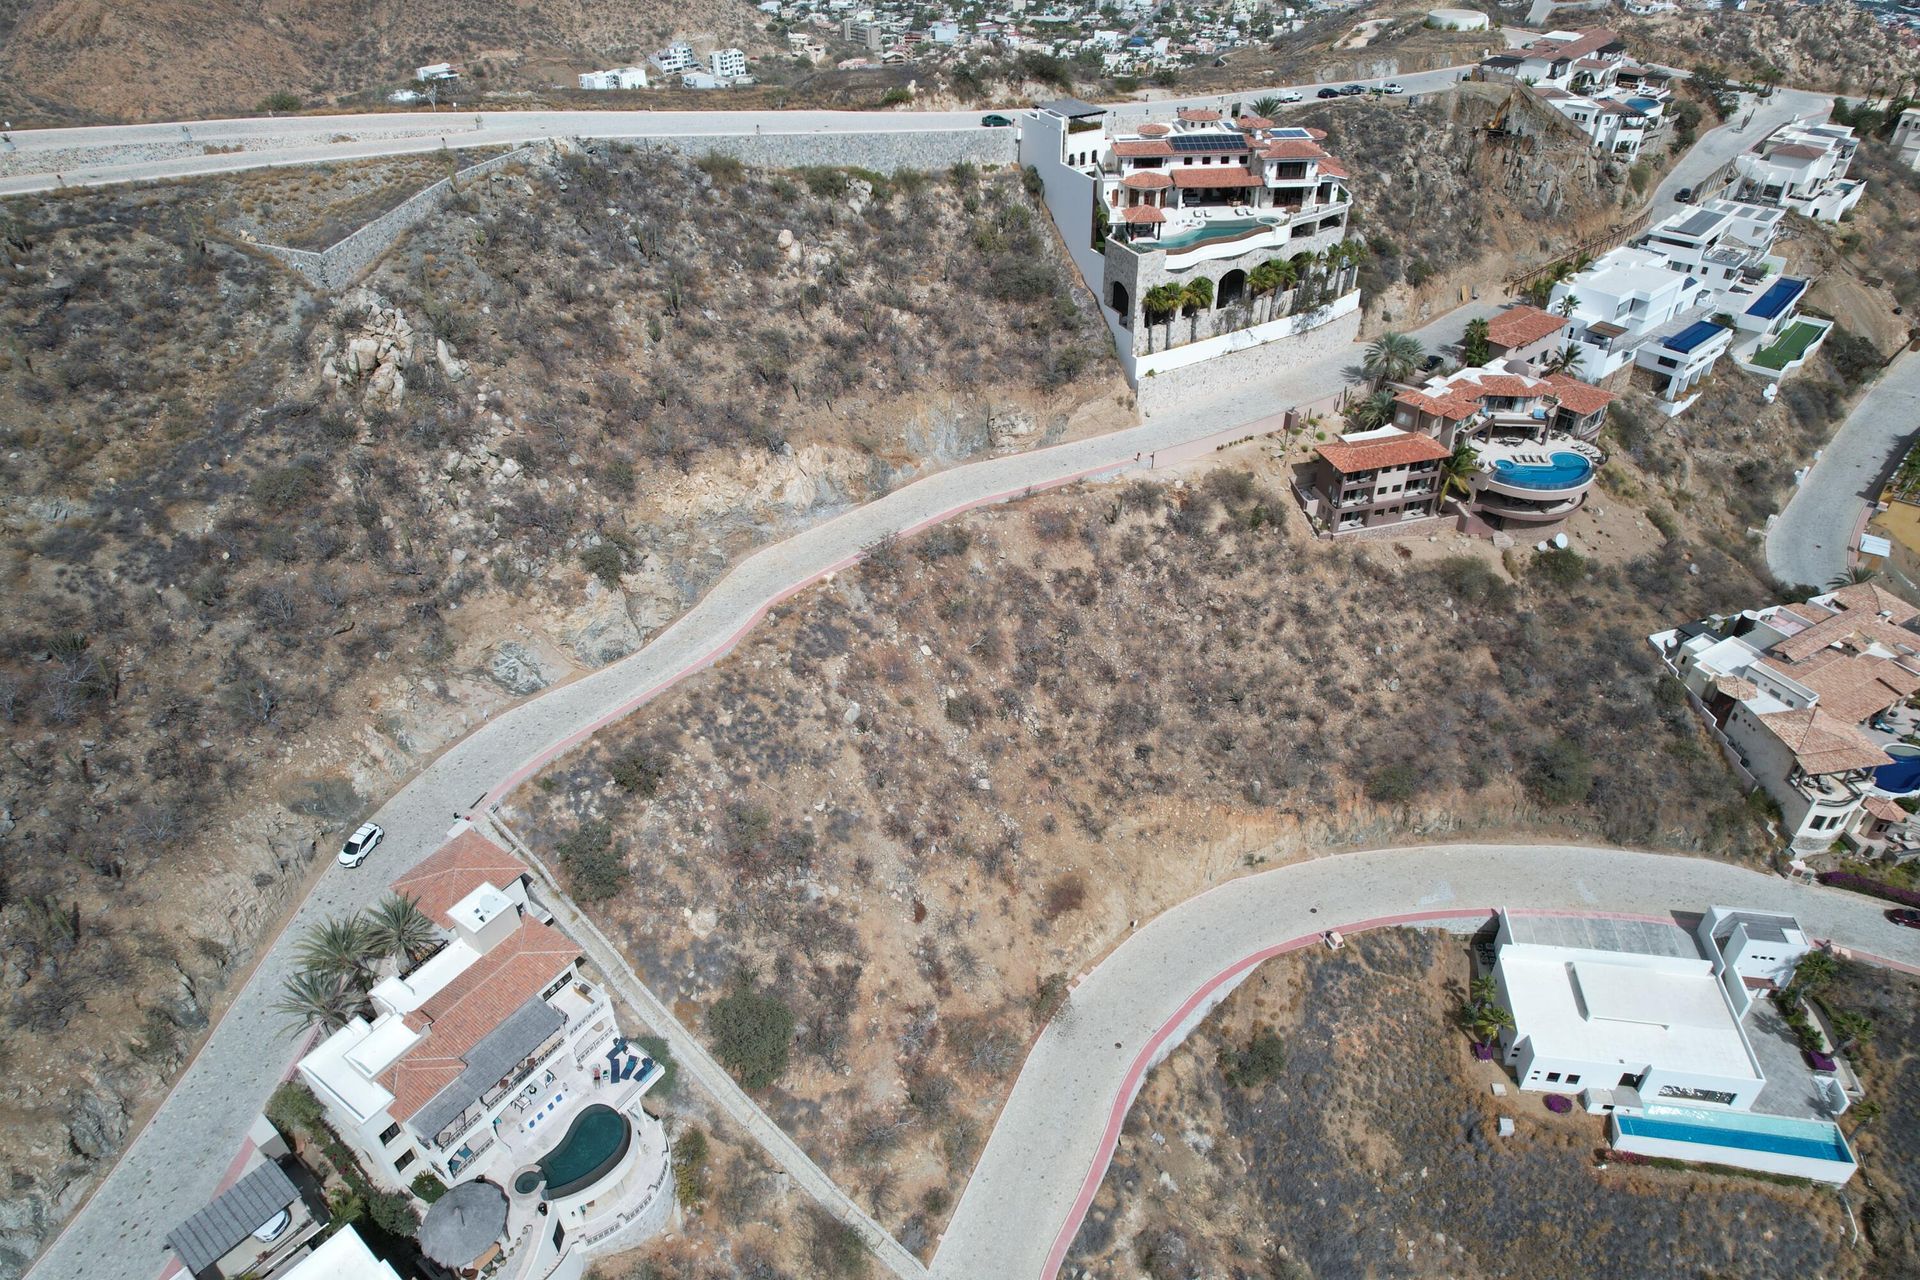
(265, 550)
(1834, 47)
(73, 61)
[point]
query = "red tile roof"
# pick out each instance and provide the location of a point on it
(1584, 43)
(1247, 124)
(1854, 688)
(461, 1014)
(1198, 115)
(1579, 396)
(1333, 169)
(1148, 147)
(1142, 215)
(1230, 175)
(1453, 406)
(1822, 743)
(1154, 130)
(1885, 808)
(456, 869)
(1146, 180)
(1875, 599)
(1400, 450)
(1294, 149)
(1318, 135)
(1522, 325)
(1797, 151)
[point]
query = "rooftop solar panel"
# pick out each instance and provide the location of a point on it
(1210, 142)
(1292, 132)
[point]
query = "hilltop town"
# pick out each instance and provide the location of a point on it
(842, 640)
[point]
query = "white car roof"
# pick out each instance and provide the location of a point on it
(366, 829)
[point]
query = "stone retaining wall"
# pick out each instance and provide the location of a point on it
(929, 149)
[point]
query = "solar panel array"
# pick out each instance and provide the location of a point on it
(1292, 132)
(1210, 142)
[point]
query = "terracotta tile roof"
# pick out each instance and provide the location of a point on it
(1822, 743)
(1333, 169)
(1593, 63)
(1294, 149)
(1146, 180)
(1796, 151)
(1885, 808)
(1145, 147)
(1229, 175)
(1856, 688)
(1400, 450)
(1808, 613)
(456, 869)
(1451, 406)
(1198, 115)
(1501, 384)
(1154, 130)
(1248, 123)
(1518, 326)
(1735, 687)
(1142, 215)
(1855, 629)
(1318, 135)
(461, 1014)
(1584, 43)
(1875, 599)
(1579, 396)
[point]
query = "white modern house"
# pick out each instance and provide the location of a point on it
(1802, 167)
(1199, 197)
(1753, 952)
(436, 71)
(617, 78)
(1798, 695)
(1906, 137)
(727, 64)
(1576, 61)
(1613, 125)
(1630, 308)
(678, 56)
(498, 1058)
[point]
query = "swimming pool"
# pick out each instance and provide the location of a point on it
(1560, 471)
(1217, 231)
(1902, 777)
(1740, 1131)
(1644, 106)
(596, 1140)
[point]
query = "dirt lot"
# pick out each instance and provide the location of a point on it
(920, 790)
(1374, 1152)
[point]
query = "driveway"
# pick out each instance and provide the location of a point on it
(1056, 1134)
(1811, 542)
(1756, 119)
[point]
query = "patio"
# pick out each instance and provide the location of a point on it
(1790, 1089)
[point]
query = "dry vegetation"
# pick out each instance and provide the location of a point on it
(242, 601)
(1374, 1152)
(1833, 47)
(918, 794)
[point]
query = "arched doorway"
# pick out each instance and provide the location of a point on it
(1232, 290)
(1122, 303)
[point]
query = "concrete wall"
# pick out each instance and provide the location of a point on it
(1069, 196)
(1209, 373)
(930, 149)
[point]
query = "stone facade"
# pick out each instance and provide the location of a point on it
(888, 152)
(1130, 274)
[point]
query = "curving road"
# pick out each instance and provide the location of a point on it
(1811, 541)
(1056, 1134)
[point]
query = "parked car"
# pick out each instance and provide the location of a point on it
(1684, 195)
(361, 843)
(995, 122)
(1392, 86)
(1905, 916)
(1352, 90)
(1287, 95)
(1328, 92)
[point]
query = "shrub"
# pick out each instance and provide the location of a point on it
(1560, 566)
(293, 1109)
(725, 170)
(1065, 894)
(1870, 886)
(596, 869)
(640, 769)
(1392, 784)
(1049, 998)
(393, 1213)
(690, 1167)
(427, 1187)
(281, 101)
(835, 1249)
(605, 562)
(752, 1035)
(1561, 774)
(286, 488)
(1262, 1060)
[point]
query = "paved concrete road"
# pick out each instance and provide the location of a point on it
(1053, 1140)
(173, 1166)
(1713, 149)
(1812, 542)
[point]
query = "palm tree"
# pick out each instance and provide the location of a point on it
(341, 949)
(1266, 108)
(1160, 303)
(1565, 360)
(1852, 1028)
(1850, 578)
(1393, 357)
(1285, 276)
(1568, 305)
(1456, 475)
(1474, 348)
(311, 997)
(1195, 298)
(1263, 280)
(1482, 990)
(1489, 1020)
(397, 928)
(1372, 411)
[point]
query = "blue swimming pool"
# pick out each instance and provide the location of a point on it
(1741, 1131)
(1693, 335)
(1643, 105)
(1218, 231)
(1902, 777)
(1561, 471)
(1770, 304)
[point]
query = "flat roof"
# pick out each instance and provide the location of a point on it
(1699, 222)
(235, 1214)
(1597, 933)
(1781, 292)
(1072, 108)
(1694, 335)
(341, 1256)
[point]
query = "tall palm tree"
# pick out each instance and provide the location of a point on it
(1569, 304)
(1266, 108)
(1475, 349)
(1195, 298)
(1285, 276)
(1456, 475)
(1371, 411)
(342, 948)
(1263, 280)
(1566, 360)
(1482, 990)
(398, 929)
(1852, 577)
(1489, 1020)
(1160, 303)
(1393, 357)
(311, 997)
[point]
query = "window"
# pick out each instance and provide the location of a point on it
(406, 1158)
(389, 1133)
(1553, 1077)
(1573, 1078)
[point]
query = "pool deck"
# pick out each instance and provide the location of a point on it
(1789, 1090)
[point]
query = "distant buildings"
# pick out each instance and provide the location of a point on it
(1809, 701)
(678, 56)
(618, 78)
(435, 72)
(727, 64)
(1802, 167)
(1587, 77)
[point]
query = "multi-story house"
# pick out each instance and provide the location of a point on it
(1802, 167)
(727, 64)
(1576, 61)
(1906, 137)
(1803, 697)
(678, 56)
(1375, 479)
(617, 78)
(1630, 308)
(1202, 207)
(1615, 126)
(1525, 333)
(497, 1057)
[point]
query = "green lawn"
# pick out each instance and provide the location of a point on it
(1789, 346)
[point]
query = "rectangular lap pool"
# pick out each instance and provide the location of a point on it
(1775, 1144)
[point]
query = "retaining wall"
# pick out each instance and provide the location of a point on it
(1166, 388)
(930, 149)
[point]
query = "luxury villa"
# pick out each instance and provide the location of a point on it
(1587, 77)
(1531, 440)
(1803, 167)
(1809, 701)
(1653, 1025)
(499, 1060)
(1200, 235)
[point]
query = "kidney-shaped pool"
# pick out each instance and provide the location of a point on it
(594, 1143)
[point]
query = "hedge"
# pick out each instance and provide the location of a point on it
(1871, 887)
